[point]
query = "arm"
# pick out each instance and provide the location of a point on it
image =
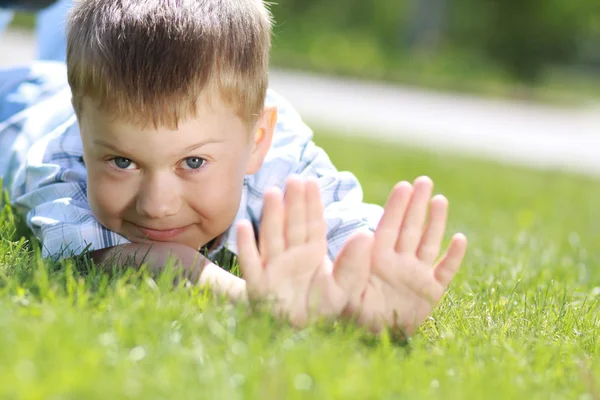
(60, 217)
(156, 256)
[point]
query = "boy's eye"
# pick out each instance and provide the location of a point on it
(122, 163)
(193, 163)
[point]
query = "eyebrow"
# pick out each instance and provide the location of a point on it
(203, 143)
(114, 148)
(101, 142)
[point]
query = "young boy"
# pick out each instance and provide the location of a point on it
(165, 139)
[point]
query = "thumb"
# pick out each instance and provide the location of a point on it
(250, 261)
(352, 266)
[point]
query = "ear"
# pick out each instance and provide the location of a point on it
(262, 136)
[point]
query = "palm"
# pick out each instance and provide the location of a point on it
(292, 267)
(291, 278)
(405, 293)
(404, 285)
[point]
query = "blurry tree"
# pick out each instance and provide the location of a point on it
(526, 35)
(523, 37)
(590, 41)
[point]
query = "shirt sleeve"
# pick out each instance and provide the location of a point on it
(46, 175)
(51, 190)
(294, 152)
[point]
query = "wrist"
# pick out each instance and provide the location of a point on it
(223, 282)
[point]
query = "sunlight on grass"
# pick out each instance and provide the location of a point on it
(520, 321)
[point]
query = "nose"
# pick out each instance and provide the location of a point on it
(158, 197)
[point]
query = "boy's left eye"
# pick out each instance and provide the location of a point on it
(193, 163)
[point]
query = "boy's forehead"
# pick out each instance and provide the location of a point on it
(207, 109)
(211, 123)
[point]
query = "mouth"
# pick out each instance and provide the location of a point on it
(161, 235)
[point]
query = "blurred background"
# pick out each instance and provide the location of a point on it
(542, 49)
(515, 80)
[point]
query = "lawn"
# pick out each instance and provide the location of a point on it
(520, 321)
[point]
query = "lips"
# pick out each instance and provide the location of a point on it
(161, 235)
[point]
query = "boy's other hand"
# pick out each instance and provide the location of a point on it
(291, 266)
(406, 283)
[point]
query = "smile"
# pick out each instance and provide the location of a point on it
(161, 235)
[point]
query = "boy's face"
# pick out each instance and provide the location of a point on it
(182, 185)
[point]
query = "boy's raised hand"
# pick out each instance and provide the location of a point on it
(406, 283)
(291, 266)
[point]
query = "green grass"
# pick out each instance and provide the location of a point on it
(520, 321)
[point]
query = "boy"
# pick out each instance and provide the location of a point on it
(161, 144)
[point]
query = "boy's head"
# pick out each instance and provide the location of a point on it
(170, 100)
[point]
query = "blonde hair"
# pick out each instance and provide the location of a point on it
(148, 61)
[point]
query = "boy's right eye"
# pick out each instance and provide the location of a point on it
(122, 163)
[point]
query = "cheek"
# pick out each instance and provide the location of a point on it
(217, 197)
(108, 198)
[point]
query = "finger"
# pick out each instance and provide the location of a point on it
(386, 234)
(431, 242)
(295, 212)
(271, 239)
(450, 263)
(412, 226)
(317, 227)
(250, 261)
(353, 267)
